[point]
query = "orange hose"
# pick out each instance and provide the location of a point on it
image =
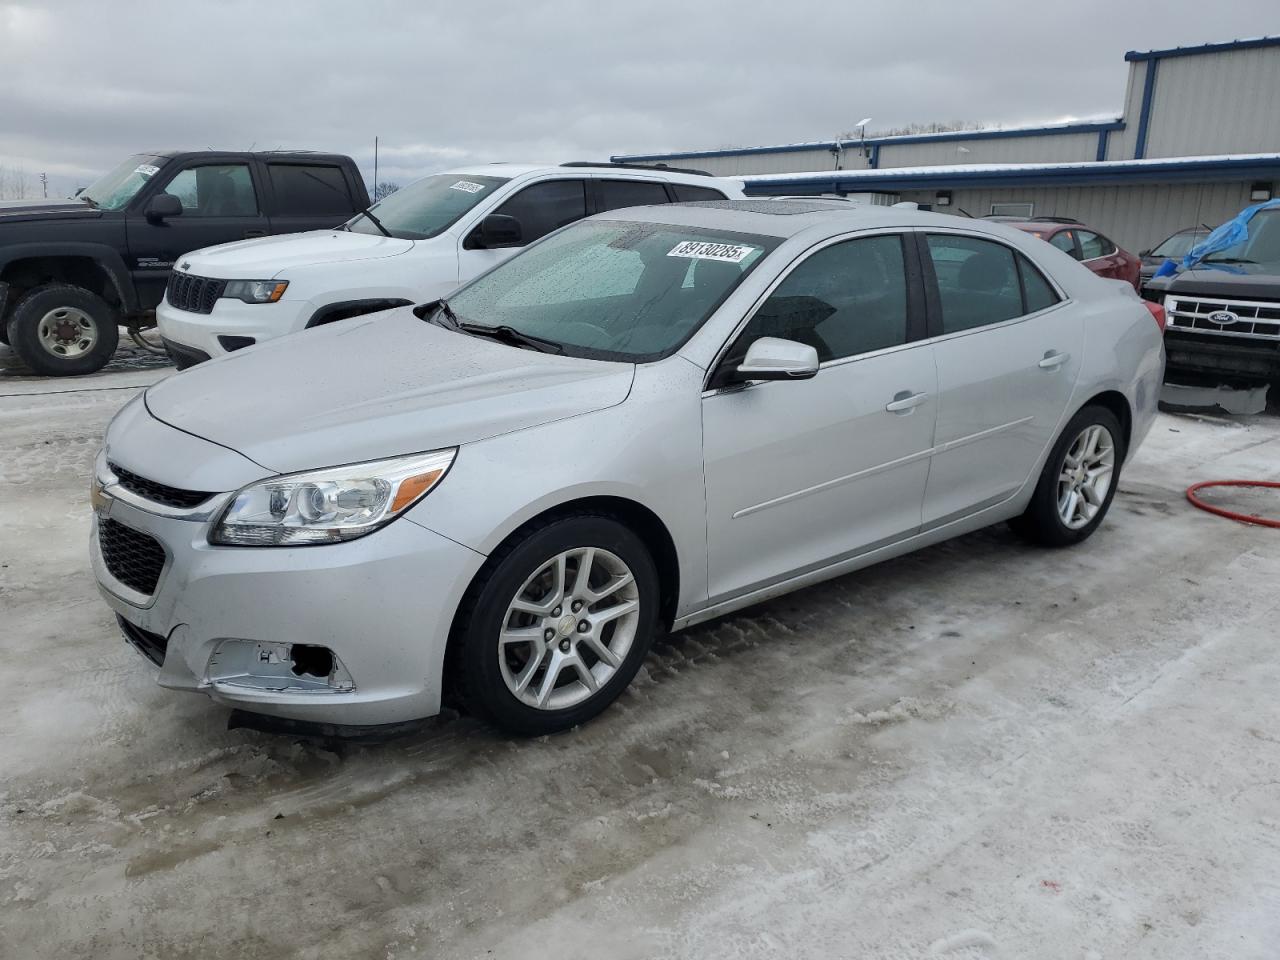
(1231, 514)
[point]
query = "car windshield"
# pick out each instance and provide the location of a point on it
(1178, 245)
(114, 190)
(1261, 246)
(428, 206)
(614, 290)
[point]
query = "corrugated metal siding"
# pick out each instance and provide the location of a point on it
(788, 162)
(1030, 149)
(1216, 103)
(1136, 217)
(1121, 142)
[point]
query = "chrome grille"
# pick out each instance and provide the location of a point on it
(194, 294)
(1255, 319)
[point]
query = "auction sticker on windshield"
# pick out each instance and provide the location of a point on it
(146, 169)
(467, 186)
(706, 250)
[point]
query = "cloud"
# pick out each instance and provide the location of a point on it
(83, 84)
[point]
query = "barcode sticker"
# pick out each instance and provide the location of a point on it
(146, 169)
(706, 250)
(467, 186)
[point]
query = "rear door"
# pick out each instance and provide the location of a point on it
(307, 195)
(221, 202)
(1008, 354)
(540, 208)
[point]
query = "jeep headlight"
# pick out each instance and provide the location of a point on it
(256, 291)
(328, 506)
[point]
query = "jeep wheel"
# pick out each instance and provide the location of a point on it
(62, 331)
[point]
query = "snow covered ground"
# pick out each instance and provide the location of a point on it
(982, 750)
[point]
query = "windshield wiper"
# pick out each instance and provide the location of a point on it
(510, 335)
(1227, 260)
(366, 212)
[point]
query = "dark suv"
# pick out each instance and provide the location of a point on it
(1224, 313)
(72, 270)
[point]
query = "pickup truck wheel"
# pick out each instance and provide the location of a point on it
(61, 330)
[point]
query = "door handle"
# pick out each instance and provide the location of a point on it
(254, 233)
(1052, 360)
(905, 401)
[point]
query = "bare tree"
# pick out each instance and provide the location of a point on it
(14, 184)
(384, 189)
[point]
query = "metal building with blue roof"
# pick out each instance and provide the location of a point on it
(1198, 140)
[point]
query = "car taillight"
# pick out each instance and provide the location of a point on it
(1157, 313)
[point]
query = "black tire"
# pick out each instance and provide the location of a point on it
(4, 331)
(476, 667)
(1042, 523)
(30, 312)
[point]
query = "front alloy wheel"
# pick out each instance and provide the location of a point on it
(569, 628)
(557, 623)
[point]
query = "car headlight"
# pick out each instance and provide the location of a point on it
(255, 291)
(329, 506)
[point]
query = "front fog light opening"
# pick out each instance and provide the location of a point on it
(295, 668)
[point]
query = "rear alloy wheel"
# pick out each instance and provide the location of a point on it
(560, 625)
(1078, 482)
(63, 330)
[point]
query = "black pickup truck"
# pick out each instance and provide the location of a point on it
(73, 271)
(1224, 313)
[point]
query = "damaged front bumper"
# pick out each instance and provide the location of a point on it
(347, 633)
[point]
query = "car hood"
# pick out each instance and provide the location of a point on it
(377, 386)
(13, 210)
(1251, 282)
(268, 257)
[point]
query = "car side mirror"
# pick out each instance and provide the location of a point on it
(497, 230)
(1144, 253)
(770, 358)
(162, 206)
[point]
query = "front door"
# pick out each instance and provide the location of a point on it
(220, 203)
(540, 208)
(1008, 358)
(802, 474)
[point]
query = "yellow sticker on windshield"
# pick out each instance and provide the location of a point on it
(705, 250)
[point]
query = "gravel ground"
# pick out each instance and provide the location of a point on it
(982, 750)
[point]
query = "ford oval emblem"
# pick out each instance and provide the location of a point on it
(1222, 317)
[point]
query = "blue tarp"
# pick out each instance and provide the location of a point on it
(1235, 230)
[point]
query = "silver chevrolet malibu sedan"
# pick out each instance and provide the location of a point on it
(645, 420)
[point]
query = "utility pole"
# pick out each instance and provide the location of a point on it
(44, 181)
(374, 191)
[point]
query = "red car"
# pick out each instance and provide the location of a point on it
(1091, 248)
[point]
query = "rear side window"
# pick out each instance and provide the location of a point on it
(546, 206)
(978, 281)
(616, 194)
(687, 194)
(1094, 245)
(1065, 241)
(309, 190)
(1035, 288)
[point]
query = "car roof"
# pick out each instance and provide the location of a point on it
(787, 218)
(264, 154)
(513, 170)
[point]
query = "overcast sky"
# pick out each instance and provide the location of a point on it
(84, 84)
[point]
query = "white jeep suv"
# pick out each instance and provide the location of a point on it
(415, 245)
